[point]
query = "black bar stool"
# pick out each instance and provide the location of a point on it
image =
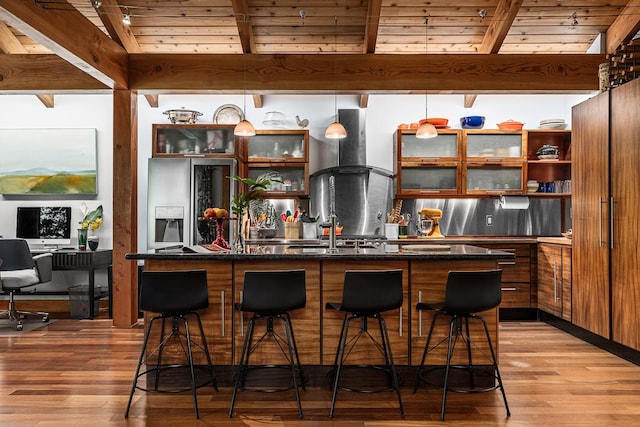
(467, 293)
(174, 294)
(366, 294)
(270, 295)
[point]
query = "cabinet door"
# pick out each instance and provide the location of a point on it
(494, 145)
(397, 320)
(482, 178)
(550, 279)
(625, 199)
(590, 219)
(279, 146)
(305, 322)
(294, 178)
(445, 146)
(417, 179)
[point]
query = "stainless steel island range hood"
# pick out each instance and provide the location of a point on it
(364, 194)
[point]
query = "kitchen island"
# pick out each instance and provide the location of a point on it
(425, 268)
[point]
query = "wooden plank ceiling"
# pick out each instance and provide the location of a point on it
(162, 30)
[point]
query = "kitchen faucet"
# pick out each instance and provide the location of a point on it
(333, 219)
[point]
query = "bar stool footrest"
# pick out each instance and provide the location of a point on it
(163, 368)
(484, 380)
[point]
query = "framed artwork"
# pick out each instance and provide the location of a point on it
(48, 161)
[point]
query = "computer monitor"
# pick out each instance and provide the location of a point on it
(48, 226)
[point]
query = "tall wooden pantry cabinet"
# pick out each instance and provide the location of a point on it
(606, 223)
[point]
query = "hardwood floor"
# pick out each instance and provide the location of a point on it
(78, 373)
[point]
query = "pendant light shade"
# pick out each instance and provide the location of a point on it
(335, 131)
(244, 128)
(426, 129)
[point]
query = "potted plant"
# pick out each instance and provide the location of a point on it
(240, 203)
(90, 222)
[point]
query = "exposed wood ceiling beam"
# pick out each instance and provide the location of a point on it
(245, 29)
(373, 24)
(368, 73)
(43, 73)
(122, 34)
(47, 100)
(626, 25)
(10, 44)
(257, 101)
(96, 55)
(503, 17)
(364, 101)
(499, 26)
(469, 100)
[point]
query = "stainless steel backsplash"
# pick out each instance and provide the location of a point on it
(462, 217)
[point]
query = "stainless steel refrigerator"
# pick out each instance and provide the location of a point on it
(179, 190)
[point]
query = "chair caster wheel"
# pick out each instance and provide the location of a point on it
(45, 319)
(19, 327)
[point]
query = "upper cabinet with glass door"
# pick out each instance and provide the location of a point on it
(197, 140)
(494, 145)
(279, 146)
(427, 167)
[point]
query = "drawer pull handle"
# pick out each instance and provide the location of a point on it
(509, 289)
(506, 263)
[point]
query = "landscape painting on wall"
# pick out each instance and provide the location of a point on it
(48, 161)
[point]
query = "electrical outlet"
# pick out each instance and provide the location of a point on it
(489, 220)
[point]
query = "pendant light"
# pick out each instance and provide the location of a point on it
(335, 130)
(244, 128)
(426, 129)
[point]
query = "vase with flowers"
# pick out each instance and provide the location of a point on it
(91, 221)
(240, 203)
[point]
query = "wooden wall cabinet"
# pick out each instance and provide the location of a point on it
(285, 152)
(554, 280)
(197, 140)
(427, 168)
(558, 170)
(480, 163)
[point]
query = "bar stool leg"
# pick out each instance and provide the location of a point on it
(244, 362)
(206, 352)
(447, 368)
(389, 359)
(295, 349)
(289, 332)
(425, 352)
(191, 370)
(339, 361)
(137, 374)
(495, 365)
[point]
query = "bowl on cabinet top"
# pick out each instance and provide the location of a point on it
(435, 121)
(510, 125)
(472, 122)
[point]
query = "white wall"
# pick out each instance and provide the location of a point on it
(383, 115)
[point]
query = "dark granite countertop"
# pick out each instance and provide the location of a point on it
(307, 250)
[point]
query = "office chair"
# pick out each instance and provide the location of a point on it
(18, 270)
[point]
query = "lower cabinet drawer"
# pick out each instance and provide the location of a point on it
(516, 295)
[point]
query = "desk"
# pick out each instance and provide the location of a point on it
(89, 261)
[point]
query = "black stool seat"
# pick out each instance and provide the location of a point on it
(467, 293)
(175, 295)
(270, 296)
(366, 294)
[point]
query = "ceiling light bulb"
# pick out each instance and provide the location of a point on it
(127, 18)
(426, 130)
(96, 4)
(335, 131)
(244, 128)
